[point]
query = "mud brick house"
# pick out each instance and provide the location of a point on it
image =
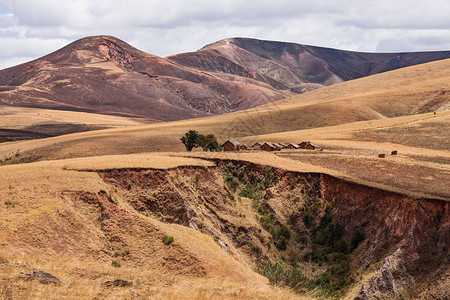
(292, 146)
(257, 145)
(233, 145)
(307, 145)
(270, 147)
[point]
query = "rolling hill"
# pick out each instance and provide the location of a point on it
(105, 75)
(107, 219)
(403, 92)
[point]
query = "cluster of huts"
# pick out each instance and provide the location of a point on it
(233, 145)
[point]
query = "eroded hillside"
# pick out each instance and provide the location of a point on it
(312, 232)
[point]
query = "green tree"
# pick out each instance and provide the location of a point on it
(207, 142)
(190, 139)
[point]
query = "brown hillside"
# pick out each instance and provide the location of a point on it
(103, 74)
(377, 98)
(91, 221)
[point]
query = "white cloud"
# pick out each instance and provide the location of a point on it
(35, 28)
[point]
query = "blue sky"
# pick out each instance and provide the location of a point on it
(32, 28)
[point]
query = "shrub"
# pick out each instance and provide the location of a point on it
(281, 244)
(10, 203)
(167, 240)
(307, 219)
(115, 263)
(326, 218)
(285, 232)
(231, 182)
(344, 247)
(358, 236)
(277, 274)
(269, 177)
(317, 256)
(294, 183)
(255, 249)
(250, 191)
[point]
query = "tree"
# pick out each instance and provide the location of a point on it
(207, 142)
(190, 139)
(214, 146)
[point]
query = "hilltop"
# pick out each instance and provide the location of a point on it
(105, 75)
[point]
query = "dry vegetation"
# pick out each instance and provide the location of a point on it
(64, 216)
(47, 226)
(374, 99)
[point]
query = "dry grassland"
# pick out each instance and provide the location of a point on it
(45, 226)
(370, 102)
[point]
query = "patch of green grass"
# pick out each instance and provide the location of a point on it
(10, 203)
(279, 275)
(167, 240)
(115, 263)
(251, 191)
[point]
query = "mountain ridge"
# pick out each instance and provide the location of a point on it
(106, 75)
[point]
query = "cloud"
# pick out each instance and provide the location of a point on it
(32, 28)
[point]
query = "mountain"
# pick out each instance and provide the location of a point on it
(103, 74)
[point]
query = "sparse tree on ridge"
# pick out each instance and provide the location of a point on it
(190, 139)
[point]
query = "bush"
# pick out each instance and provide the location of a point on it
(344, 247)
(358, 237)
(10, 203)
(231, 181)
(115, 263)
(250, 191)
(285, 232)
(317, 256)
(269, 177)
(281, 244)
(277, 274)
(167, 240)
(326, 219)
(307, 219)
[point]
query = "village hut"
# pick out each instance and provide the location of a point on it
(257, 145)
(232, 145)
(270, 147)
(244, 147)
(307, 145)
(292, 146)
(394, 152)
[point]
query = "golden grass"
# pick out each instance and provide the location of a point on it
(48, 230)
(374, 99)
(143, 160)
(20, 117)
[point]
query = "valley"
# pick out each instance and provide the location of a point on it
(98, 190)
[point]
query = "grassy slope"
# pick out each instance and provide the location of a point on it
(402, 92)
(49, 229)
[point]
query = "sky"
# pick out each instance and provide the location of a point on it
(32, 28)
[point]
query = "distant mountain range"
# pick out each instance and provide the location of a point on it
(103, 74)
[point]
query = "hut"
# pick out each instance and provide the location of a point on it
(394, 152)
(307, 145)
(257, 145)
(233, 145)
(381, 155)
(292, 146)
(270, 147)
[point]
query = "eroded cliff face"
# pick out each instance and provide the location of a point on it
(344, 238)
